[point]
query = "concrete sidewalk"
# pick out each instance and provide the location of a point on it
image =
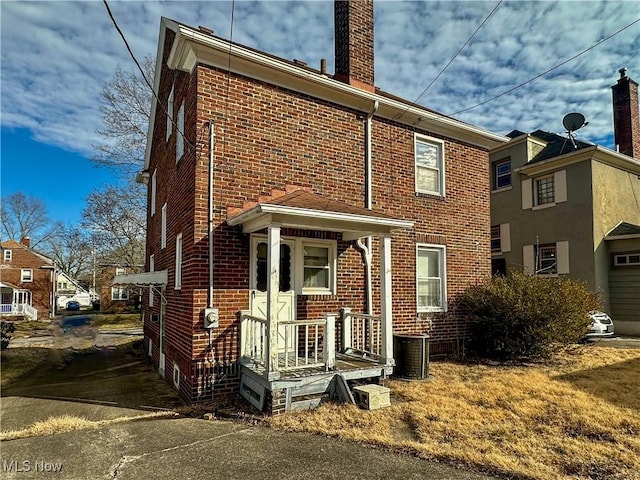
(197, 449)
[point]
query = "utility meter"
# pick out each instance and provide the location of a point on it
(211, 318)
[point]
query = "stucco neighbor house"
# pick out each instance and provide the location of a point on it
(560, 209)
(297, 219)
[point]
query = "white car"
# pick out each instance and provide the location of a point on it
(84, 299)
(601, 325)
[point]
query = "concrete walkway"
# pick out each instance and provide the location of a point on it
(197, 449)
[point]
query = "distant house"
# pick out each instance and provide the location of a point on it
(68, 288)
(564, 209)
(27, 281)
(118, 298)
(298, 219)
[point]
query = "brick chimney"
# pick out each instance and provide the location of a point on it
(626, 119)
(354, 43)
(26, 241)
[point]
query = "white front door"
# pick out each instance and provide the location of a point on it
(286, 310)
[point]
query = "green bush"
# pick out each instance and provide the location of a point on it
(523, 315)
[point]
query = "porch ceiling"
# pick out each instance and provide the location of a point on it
(310, 211)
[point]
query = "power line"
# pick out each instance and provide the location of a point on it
(452, 58)
(144, 77)
(460, 50)
(549, 70)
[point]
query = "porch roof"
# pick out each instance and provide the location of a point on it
(310, 211)
(158, 278)
(11, 286)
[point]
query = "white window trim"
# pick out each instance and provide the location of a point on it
(163, 226)
(443, 277)
(154, 189)
(178, 263)
(120, 297)
(441, 163)
(29, 271)
(626, 255)
(8, 255)
(170, 114)
(180, 134)
(297, 245)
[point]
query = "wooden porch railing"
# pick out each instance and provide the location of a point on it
(303, 343)
(19, 309)
(362, 333)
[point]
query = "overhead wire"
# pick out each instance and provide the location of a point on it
(144, 76)
(486, 19)
(549, 70)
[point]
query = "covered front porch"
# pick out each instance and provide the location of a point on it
(290, 363)
(16, 302)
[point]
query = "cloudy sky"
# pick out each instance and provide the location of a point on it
(56, 57)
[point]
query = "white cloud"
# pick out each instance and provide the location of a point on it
(56, 56)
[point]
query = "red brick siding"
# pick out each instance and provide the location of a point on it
(266, 138)
(41, 286)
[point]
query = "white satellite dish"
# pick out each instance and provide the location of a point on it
(572, 122)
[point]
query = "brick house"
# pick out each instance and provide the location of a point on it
(26, 281)
(297, 219)
(117, 298)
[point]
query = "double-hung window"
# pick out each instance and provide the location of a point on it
(429, 165)
(153, 192)
(7, 255)
(152, 267)
(178, 275)
(495, 239)
(431, 278)
(546, 259)
(316, 267)
(26, 275)
(502, 174)
(170, 115)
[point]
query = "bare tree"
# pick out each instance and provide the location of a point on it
(72, 250)
(25, 216)
(125, 116)
(116, 218)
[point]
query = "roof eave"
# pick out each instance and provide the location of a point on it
(192, 47)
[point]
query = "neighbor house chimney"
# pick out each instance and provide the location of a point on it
(626, 119)
(354, 42)
(26, 241)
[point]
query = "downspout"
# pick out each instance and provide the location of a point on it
(366, 247)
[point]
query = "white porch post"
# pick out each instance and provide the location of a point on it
(385, 300)
(329, 347)
(273, 287)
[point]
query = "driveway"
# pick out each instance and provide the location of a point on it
(617, 342)
(112, 383)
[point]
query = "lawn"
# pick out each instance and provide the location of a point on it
(576, 417)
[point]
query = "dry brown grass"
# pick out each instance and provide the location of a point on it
(68, 423)
(577, 417)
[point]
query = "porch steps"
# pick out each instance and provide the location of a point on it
(300, 394)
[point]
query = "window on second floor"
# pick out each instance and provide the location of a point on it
(170, 115)
(152, 266)
(544, 190)
(153, 192)
(429, 165)
(180, 133)
(7, 255)
(26, 275)
(502, 174)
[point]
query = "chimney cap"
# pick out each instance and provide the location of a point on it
(623, 72)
